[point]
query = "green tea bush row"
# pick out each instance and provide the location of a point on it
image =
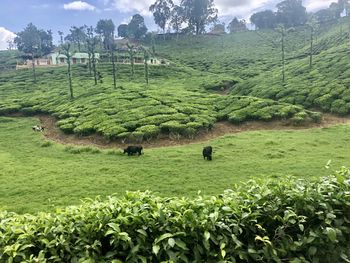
(238, 109)
(287, 220)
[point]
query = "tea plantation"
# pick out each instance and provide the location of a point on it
(289, 212)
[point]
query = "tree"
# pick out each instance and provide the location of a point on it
(113, 48)
(283, 31)
(313, 26)
(198, 14)
(131, 51)
(66, 50)
(77, 36)
(291, 13)
(237, 25)
(34, 42)
(105, 28)
(137, 28)
(123, 30)
(146, 58)
(264, 19)
(218, 28)
(176, 18)
(324, 15)
(11, 44)
(161, 10)
(60, 33)
(92, 42)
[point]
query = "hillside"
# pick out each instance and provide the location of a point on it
(254, 59)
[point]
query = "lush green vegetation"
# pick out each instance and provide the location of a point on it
(176, 103)
(290, 220)
(38, 175)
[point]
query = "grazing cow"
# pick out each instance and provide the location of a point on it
(207, 152)
(38, 128)
(131, 150)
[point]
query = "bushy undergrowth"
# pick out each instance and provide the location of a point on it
(290, 220)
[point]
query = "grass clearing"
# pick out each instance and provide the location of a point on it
(35, 178)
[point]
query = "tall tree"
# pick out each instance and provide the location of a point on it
(198, 14)
(237, 25)
(146, 59)
(264, 19)
(105, 28)
(176, 18)
(161, 10)
(324, 16)
(137, 28)
(92, 42)
(34, 42)
(60, 33)
(65, 49)
(313, 26)
(291, 13)
(77, 36)
(123, 30)
(281, 29)
(131, 51)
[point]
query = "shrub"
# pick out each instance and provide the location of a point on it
(149, 131)
(276, 221)
(339, 106)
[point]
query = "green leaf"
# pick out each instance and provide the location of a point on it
(171, 242)
(312, 251)
(206, 235)
(162, 237)
(301, 227)
(331, 233)
(181, 244)
(223, 253)
(155, 249)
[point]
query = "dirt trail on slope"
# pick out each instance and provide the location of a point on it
(52, 132)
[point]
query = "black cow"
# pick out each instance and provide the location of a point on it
(207, 152)
(131, 150)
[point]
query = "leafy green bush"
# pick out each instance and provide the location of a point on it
(285, 221)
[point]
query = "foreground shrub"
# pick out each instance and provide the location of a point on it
(284, 221)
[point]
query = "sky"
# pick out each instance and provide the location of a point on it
(60, 15)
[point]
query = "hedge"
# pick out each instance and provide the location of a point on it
(289, 220)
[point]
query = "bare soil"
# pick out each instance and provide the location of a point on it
(52, 132)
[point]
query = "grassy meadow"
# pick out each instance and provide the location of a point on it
(36, 175)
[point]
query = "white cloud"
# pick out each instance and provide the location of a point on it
(316, 5)
(79, 5)
(127, 6)
(5, 36)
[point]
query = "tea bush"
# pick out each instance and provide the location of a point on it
(286, 221)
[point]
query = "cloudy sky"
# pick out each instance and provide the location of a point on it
(61, 14)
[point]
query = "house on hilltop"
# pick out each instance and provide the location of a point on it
(57, 59)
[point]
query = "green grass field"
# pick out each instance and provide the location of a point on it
(39, 176)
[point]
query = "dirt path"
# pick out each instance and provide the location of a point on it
(52, 132)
